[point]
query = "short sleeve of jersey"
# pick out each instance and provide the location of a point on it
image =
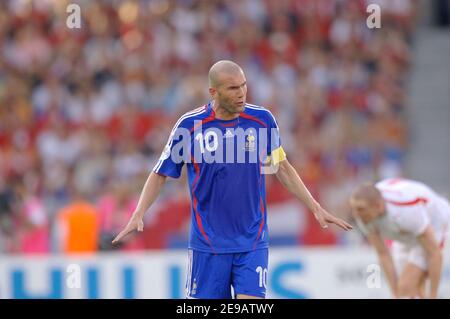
(171, 161)
(274, 148)
(412, 219)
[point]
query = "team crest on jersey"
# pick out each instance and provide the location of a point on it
(250, 142)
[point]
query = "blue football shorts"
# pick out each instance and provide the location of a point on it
(211, 276)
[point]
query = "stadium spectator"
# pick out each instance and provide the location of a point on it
(78, 227)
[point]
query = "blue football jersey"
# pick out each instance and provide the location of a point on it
(224, 161)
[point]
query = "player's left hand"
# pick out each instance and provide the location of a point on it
(324, 218)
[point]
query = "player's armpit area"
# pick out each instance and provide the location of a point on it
(160, 174)
(277, 156)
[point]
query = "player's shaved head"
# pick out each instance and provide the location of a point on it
(221, 68)
(368, 193)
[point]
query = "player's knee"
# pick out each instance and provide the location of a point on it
(407, 289)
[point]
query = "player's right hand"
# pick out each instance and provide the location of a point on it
(324, 218)
(135, 223)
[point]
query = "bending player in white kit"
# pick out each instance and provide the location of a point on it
(416, 219)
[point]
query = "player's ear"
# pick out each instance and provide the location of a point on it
(212, 91)
(380, 205)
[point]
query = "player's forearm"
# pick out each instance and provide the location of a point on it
(149, 193)
(434, 269)
(389, 271)
(290, 179)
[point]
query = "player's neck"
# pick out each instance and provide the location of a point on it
(383, 211)
(222, 114)
(380, 216)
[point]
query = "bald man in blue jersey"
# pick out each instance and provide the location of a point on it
(227, 146)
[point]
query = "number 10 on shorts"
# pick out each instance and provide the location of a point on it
(262, 272)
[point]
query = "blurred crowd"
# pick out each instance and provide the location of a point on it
(84, 113)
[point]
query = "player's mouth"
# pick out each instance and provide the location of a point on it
(240, 104)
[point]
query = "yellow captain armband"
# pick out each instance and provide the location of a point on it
(277, 156)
